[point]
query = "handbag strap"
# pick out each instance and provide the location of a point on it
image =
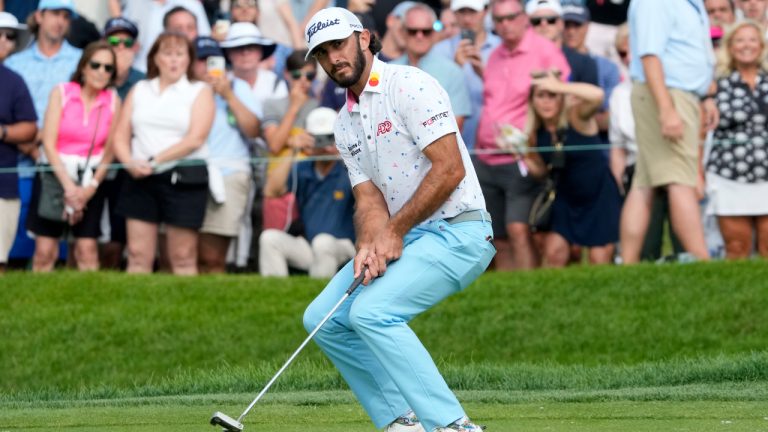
(93, 143)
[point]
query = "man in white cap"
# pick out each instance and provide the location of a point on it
(420, 221)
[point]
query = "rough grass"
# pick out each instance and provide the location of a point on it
(69, 335)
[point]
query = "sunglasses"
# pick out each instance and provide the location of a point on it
(116, 41)
(108, 68)
(8, 35)
(297, 74)
(498, 19)
(427, 32)
(537, 21)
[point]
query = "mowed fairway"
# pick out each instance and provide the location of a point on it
(648, 348)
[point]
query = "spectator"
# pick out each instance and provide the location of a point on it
(470, 50)
(285, 119)
(587, 206)
(449, 26)
(721, 13)
(235, 122)
(248, 11)
(150, 16)
(17, 125)
(161, 138)
(622, 123)
(393, 41)
(754, 10)
(508, 190)
(181, 20)
(576, 19)
(419, 33)
(672, 65)
(325, 204)
(737, 167)
(13, 36)
(547, 20)
(50, 60)
(122, 36)
(77, 139)
(606, 17)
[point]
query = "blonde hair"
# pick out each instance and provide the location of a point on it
(533, 120)
(725, 62)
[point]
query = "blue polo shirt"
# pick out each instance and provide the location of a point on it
(15, 106)
(450, 76)
(326, 205)
(608, 76)
(42, 74)
(447, 49)
(677, 32)
(228, 148)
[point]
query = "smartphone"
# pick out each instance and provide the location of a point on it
(216, 65)
(324, 140)
(221, 27)
(469, 35)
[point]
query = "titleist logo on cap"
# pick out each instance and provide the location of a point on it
(316, 27)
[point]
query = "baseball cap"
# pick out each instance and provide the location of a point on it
(57, 5)
(320, 121)
(244, 34)
(401, 8)
(333, 23)
(477, 5)
(576, 13)
(206, 46)
(534, 6)
(120, 24)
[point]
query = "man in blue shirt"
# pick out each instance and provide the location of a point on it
(17, 125)
(470, 49)
(672, 67)
(419, 34)
(325, 204)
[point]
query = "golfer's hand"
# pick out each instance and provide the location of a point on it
(365, 261)
(387, 247)
(672, 127)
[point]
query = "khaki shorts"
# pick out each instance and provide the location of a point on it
(224, 219)
(661, 162)
(9, 221)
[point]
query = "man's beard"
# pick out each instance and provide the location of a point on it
(357, 70)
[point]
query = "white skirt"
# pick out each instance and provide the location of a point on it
(732, 198)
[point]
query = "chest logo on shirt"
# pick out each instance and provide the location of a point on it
(384, 127)
(374, 80)
(435, 118)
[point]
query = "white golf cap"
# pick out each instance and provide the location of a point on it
(477, 5)
(320, 121)
(534, 6)
(329, 24)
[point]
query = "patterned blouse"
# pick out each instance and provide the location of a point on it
(740, 148)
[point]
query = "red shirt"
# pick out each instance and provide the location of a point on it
(507, 83)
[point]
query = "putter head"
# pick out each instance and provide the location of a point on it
(226, 422)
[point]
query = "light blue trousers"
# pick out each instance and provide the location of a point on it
(368, 339)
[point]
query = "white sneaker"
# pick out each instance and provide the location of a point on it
(462, 425)
(405, 423)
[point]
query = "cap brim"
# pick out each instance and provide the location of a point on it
(71, 11)
(322, 41)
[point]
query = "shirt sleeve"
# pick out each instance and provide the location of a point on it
(653, 24)
(245, 96)
(350, 154)
(272, 112)
(423, 106)
(459, 93)
(23, 107)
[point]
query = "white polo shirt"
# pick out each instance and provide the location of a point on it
(401, 111)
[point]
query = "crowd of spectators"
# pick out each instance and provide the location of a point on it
(194, 136)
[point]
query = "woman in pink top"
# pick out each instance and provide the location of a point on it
(79, 115)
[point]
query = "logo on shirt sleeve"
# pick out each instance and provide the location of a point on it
(384, 127)
(435, 118)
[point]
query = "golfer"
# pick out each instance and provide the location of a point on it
(421, 227)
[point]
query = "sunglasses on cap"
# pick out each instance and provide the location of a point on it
(9, 35)
(116, 41)
(415, 31)
(498, 19)
(108, 68)
(537, 21)
(297, 74)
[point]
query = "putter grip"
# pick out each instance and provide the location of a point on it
(358, 280)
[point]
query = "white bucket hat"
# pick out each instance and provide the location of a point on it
(321, 120)
(244, 34)
(329, 24)
(8, 21)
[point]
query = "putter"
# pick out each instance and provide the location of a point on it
(231, 425)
